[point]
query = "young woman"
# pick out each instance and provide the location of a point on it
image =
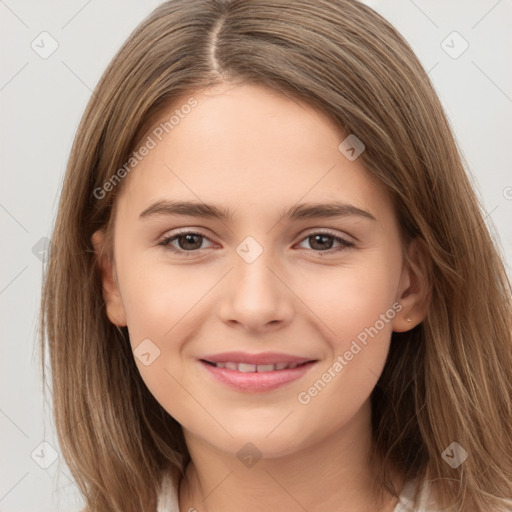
(270, 282)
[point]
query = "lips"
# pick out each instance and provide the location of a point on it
(263, 358)
(256, 372)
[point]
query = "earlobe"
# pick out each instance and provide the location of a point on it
(414, 290)
(113, 301)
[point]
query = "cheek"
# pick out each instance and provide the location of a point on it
(355, 308)
(160, 299)
(165, 308)
(350, 299)
(161, 318)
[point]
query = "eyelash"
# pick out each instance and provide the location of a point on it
(345, 244)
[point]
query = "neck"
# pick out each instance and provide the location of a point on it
(331, 474)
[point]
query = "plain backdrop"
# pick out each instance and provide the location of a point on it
(465, 45)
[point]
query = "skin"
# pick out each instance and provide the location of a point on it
(258, 153)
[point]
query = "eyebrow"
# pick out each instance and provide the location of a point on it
(300, 212)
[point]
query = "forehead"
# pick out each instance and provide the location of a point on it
(248, 146)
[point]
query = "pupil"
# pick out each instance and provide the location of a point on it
(322, 246)
(189, 240)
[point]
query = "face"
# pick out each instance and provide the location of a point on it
(263, 317)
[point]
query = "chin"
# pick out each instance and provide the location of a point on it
(257, 442)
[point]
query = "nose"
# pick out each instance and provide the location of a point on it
(256, 296)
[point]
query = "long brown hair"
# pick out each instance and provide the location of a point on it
(447, 380)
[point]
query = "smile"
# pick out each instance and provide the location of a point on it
(251, 368)
(256, 372)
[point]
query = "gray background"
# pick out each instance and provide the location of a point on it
(41, 102)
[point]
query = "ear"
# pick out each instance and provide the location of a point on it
(414, 289)
(111, 294)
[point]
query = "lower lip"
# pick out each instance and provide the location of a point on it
(257, 381)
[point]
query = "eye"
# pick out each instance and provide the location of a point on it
(323, 242)
(186, 241)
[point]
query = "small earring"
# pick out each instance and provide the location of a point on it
(408, 319)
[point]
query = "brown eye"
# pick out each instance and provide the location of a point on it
(323, 242)
(190, 242)
(184, 242)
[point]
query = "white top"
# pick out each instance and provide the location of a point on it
(168, 499)
(405, 502)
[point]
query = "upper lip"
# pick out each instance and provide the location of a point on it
(261, 358)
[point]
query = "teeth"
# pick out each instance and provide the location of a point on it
(266, 367)
(246, 368)
(251, 368)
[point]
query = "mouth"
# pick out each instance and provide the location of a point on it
(254, 368)
(256, 372)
